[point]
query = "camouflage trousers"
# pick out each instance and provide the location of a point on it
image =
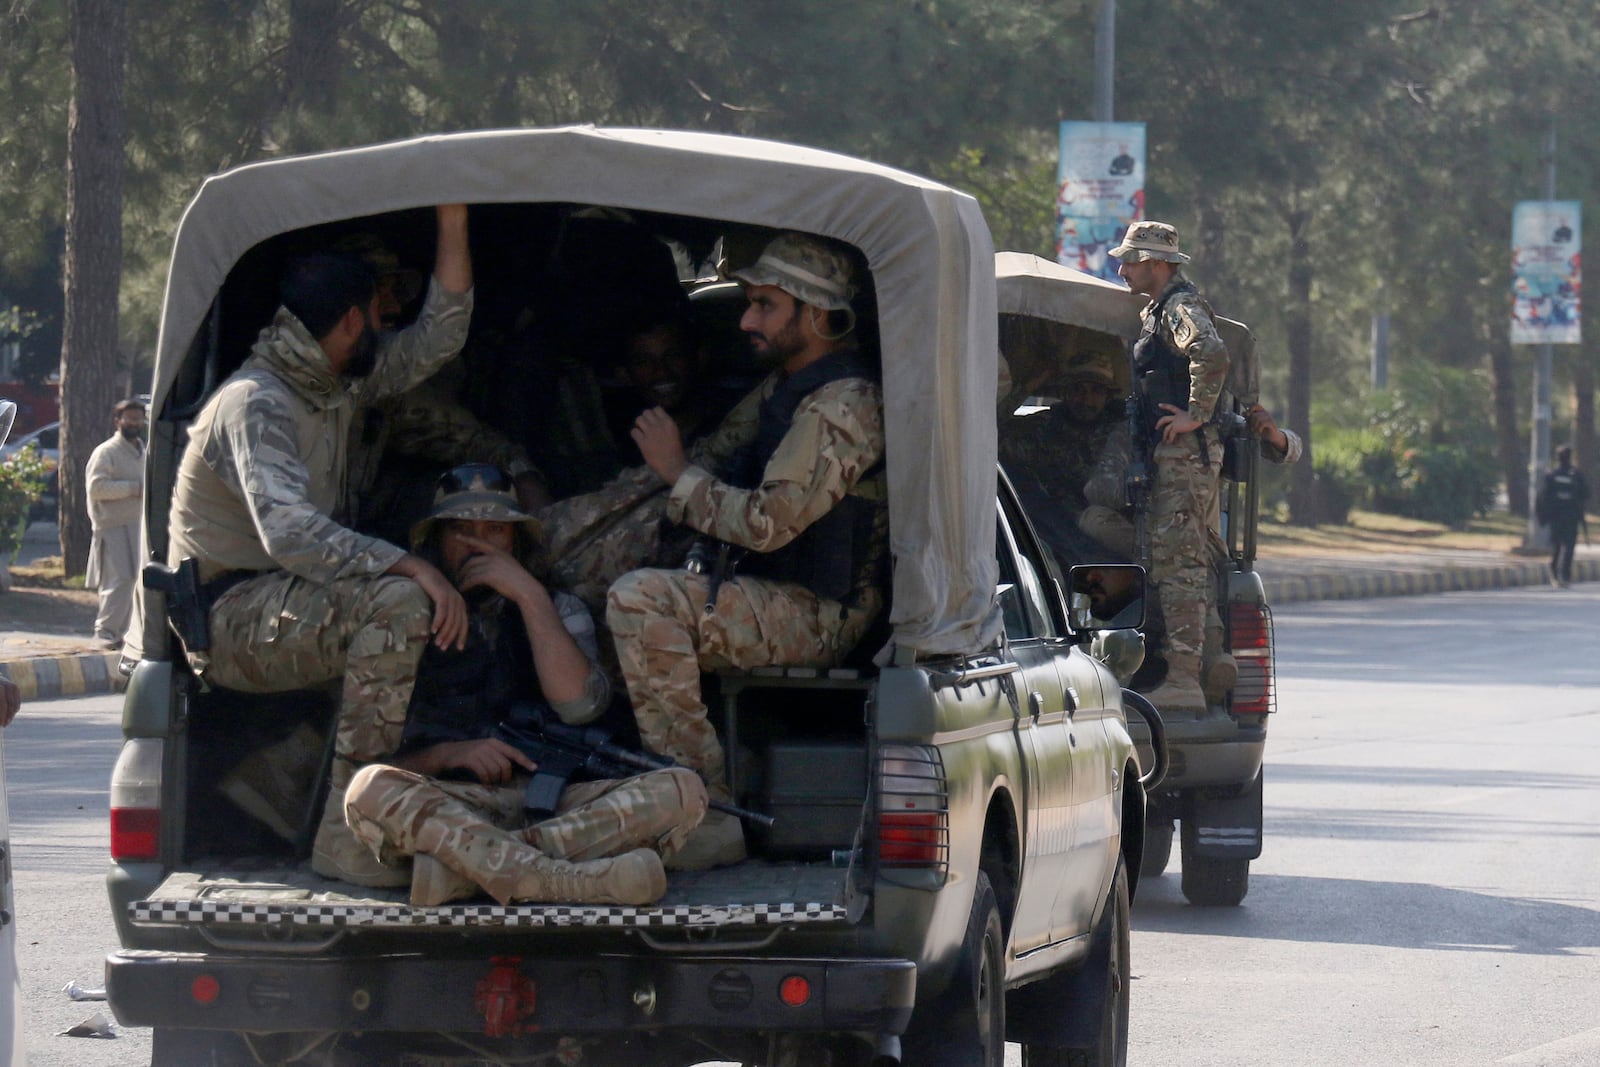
(397, 813)
(280, 632)
(1182, 503)
(595, 538)
(665, 639)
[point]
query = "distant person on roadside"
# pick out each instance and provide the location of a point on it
(1560, 507)
(115, 478)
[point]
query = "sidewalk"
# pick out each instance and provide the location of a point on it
(48, 653)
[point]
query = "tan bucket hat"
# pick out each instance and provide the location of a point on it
(1150, 240)
(479, 492)
(806, 268)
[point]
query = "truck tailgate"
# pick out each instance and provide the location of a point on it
(749, 894)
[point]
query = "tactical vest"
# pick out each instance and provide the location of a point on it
(841, 554)
(1160, 372)
(461, 694)
(1562, 495)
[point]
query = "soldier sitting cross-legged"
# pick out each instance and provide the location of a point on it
(452, 797)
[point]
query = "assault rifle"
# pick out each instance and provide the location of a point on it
(562, 751)
(186, 601)
(1141, 473)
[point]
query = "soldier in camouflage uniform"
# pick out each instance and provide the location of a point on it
(792, 482)
(525, 645)
(296, 599)
(1180, 366)
(1049, 455)
(424, 423)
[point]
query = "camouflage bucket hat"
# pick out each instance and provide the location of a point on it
(1090, 367)
(1149, 240)
(477, 492)
(806, 268)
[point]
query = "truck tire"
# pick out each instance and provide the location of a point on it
(1215, 883)
(1157, 848)
(965, 1026)
(1110, 1045)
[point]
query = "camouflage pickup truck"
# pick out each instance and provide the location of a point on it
(959, 814)
(1051, 315)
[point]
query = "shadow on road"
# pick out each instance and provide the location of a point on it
(1348, 911)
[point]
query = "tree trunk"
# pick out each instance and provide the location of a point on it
(312, 65)
(1303, 504)
(1509, 440)
(96, 136)
(1213, 249)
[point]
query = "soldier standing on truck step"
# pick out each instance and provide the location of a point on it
(794, 491)
(1180, 366)
(295, 598)
(452, 797)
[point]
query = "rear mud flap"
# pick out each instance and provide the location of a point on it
(1223, 827)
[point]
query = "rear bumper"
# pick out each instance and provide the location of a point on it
(592, 994)
(1216, 750)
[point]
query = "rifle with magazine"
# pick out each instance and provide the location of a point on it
(562, 751)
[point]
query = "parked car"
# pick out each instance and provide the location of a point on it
(47, 441)
(959, 808)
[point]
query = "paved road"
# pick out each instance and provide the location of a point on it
(1430, 893)
(1430, 890)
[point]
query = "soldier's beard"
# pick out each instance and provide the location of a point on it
(364, 357)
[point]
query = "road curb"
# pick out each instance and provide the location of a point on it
(1361, 586)
(78, 674)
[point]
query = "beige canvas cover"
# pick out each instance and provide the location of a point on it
(1038, 288)
(928, 247)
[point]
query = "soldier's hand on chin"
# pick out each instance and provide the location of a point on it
(494, 568)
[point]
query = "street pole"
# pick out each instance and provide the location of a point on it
(1539, 447)
(1105, 60)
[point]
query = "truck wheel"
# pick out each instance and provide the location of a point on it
(965, 1026)
(1157, 848)
(1110, 1045)
(1215, 883)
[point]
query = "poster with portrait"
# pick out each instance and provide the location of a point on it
(1546, 272)
(1099, 192)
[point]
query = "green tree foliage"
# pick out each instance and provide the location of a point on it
(1321, 158)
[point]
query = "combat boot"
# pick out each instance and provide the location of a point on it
(338, 853)
(273, 784)
(1186, 624)
(432, 883)
(1219, 671)
(635, 878)
(1181, 690)
(717, 842)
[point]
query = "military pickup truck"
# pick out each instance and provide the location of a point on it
(1050, 314)
(959, 814)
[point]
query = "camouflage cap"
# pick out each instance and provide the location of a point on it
(476, 492)
(383, 262)
(807, 268)
(1092, 367)
(1150, 240)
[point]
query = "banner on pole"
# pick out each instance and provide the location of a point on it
(1099, 192)
(1546, 272)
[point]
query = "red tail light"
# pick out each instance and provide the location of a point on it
(135, 834)
(136, 801)
(1251, 628)
(913, 808)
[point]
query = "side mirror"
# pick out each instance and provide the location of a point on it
(1106, 596)
(8, 414)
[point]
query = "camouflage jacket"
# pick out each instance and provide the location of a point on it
(1050, 457)
(1185, 325)
(265, 468)
(836, 437)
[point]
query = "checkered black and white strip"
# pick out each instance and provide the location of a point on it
(186, 912)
